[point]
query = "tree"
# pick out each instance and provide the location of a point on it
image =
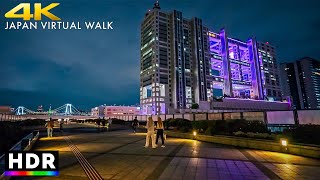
(195, 106)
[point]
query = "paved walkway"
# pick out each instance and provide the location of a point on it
(120, 155)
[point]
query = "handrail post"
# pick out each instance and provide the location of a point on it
(24, 143)
(34, 133)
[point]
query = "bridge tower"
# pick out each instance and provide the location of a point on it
(68, 110)
(20, 110)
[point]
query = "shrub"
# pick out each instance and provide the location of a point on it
(172, 122)
(195, 124)
(256, 135)
(237, 125)
(239, 133)
(32, 122)
(201, 126)
(195, 106)
(220, 127)
(182, 125)
(209, 131)
(307, 134)
(256, 126)
(117, 121)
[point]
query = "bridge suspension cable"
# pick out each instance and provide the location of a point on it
(66, 109)
(22, 111)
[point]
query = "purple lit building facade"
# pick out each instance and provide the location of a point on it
(182, 63)
(235, 67)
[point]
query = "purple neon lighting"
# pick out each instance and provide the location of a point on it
(215, 45)
(259, 100)
(226, 68)
(240, 61)
(238, 41)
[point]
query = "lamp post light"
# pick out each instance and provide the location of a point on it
(284, 144)
(194, 134)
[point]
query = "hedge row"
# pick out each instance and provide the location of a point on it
(307, 134)
(217, 127)
(114, 121)
(32, 122)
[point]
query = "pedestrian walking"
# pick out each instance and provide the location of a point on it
(160, 131)
(49, 125)
(150, 133)
(61, 125)
(98, 122)
(109, 124)
(103, 124)
(135, 124)
(110, 121)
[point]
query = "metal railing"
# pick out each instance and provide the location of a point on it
(25, 144)
(11, 117)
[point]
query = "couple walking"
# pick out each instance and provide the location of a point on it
(150, 132)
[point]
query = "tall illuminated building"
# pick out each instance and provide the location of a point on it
(301, 81)
(270, 71)
(183, 62)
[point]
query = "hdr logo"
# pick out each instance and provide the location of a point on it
(37, 163)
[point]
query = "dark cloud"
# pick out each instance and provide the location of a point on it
(88, 68)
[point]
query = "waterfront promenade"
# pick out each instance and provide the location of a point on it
(119, 154)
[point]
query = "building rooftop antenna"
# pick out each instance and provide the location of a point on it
(156, 5)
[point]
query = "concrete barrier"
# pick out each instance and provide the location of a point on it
(268, 145)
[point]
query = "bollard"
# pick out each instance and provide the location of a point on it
(24, 144)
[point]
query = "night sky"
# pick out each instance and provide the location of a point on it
(89, 68)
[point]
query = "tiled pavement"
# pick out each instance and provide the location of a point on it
(121, 155)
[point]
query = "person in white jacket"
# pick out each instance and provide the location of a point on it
(150, 133)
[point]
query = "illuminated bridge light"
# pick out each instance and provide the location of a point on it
(67, 109)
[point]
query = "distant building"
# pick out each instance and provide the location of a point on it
(6, 110)
(95, 112)
(40, 108)
(183, 62)
(109, 111)
(301, 81)
(121, 110)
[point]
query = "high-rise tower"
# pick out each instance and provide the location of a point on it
(301, 81)
(182, 63)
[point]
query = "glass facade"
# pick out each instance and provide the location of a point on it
(301, 81)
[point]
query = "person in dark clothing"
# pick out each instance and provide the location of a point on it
(103, 124)
(135, 124)
(160, 129)
(98, 124)
(61, 127)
